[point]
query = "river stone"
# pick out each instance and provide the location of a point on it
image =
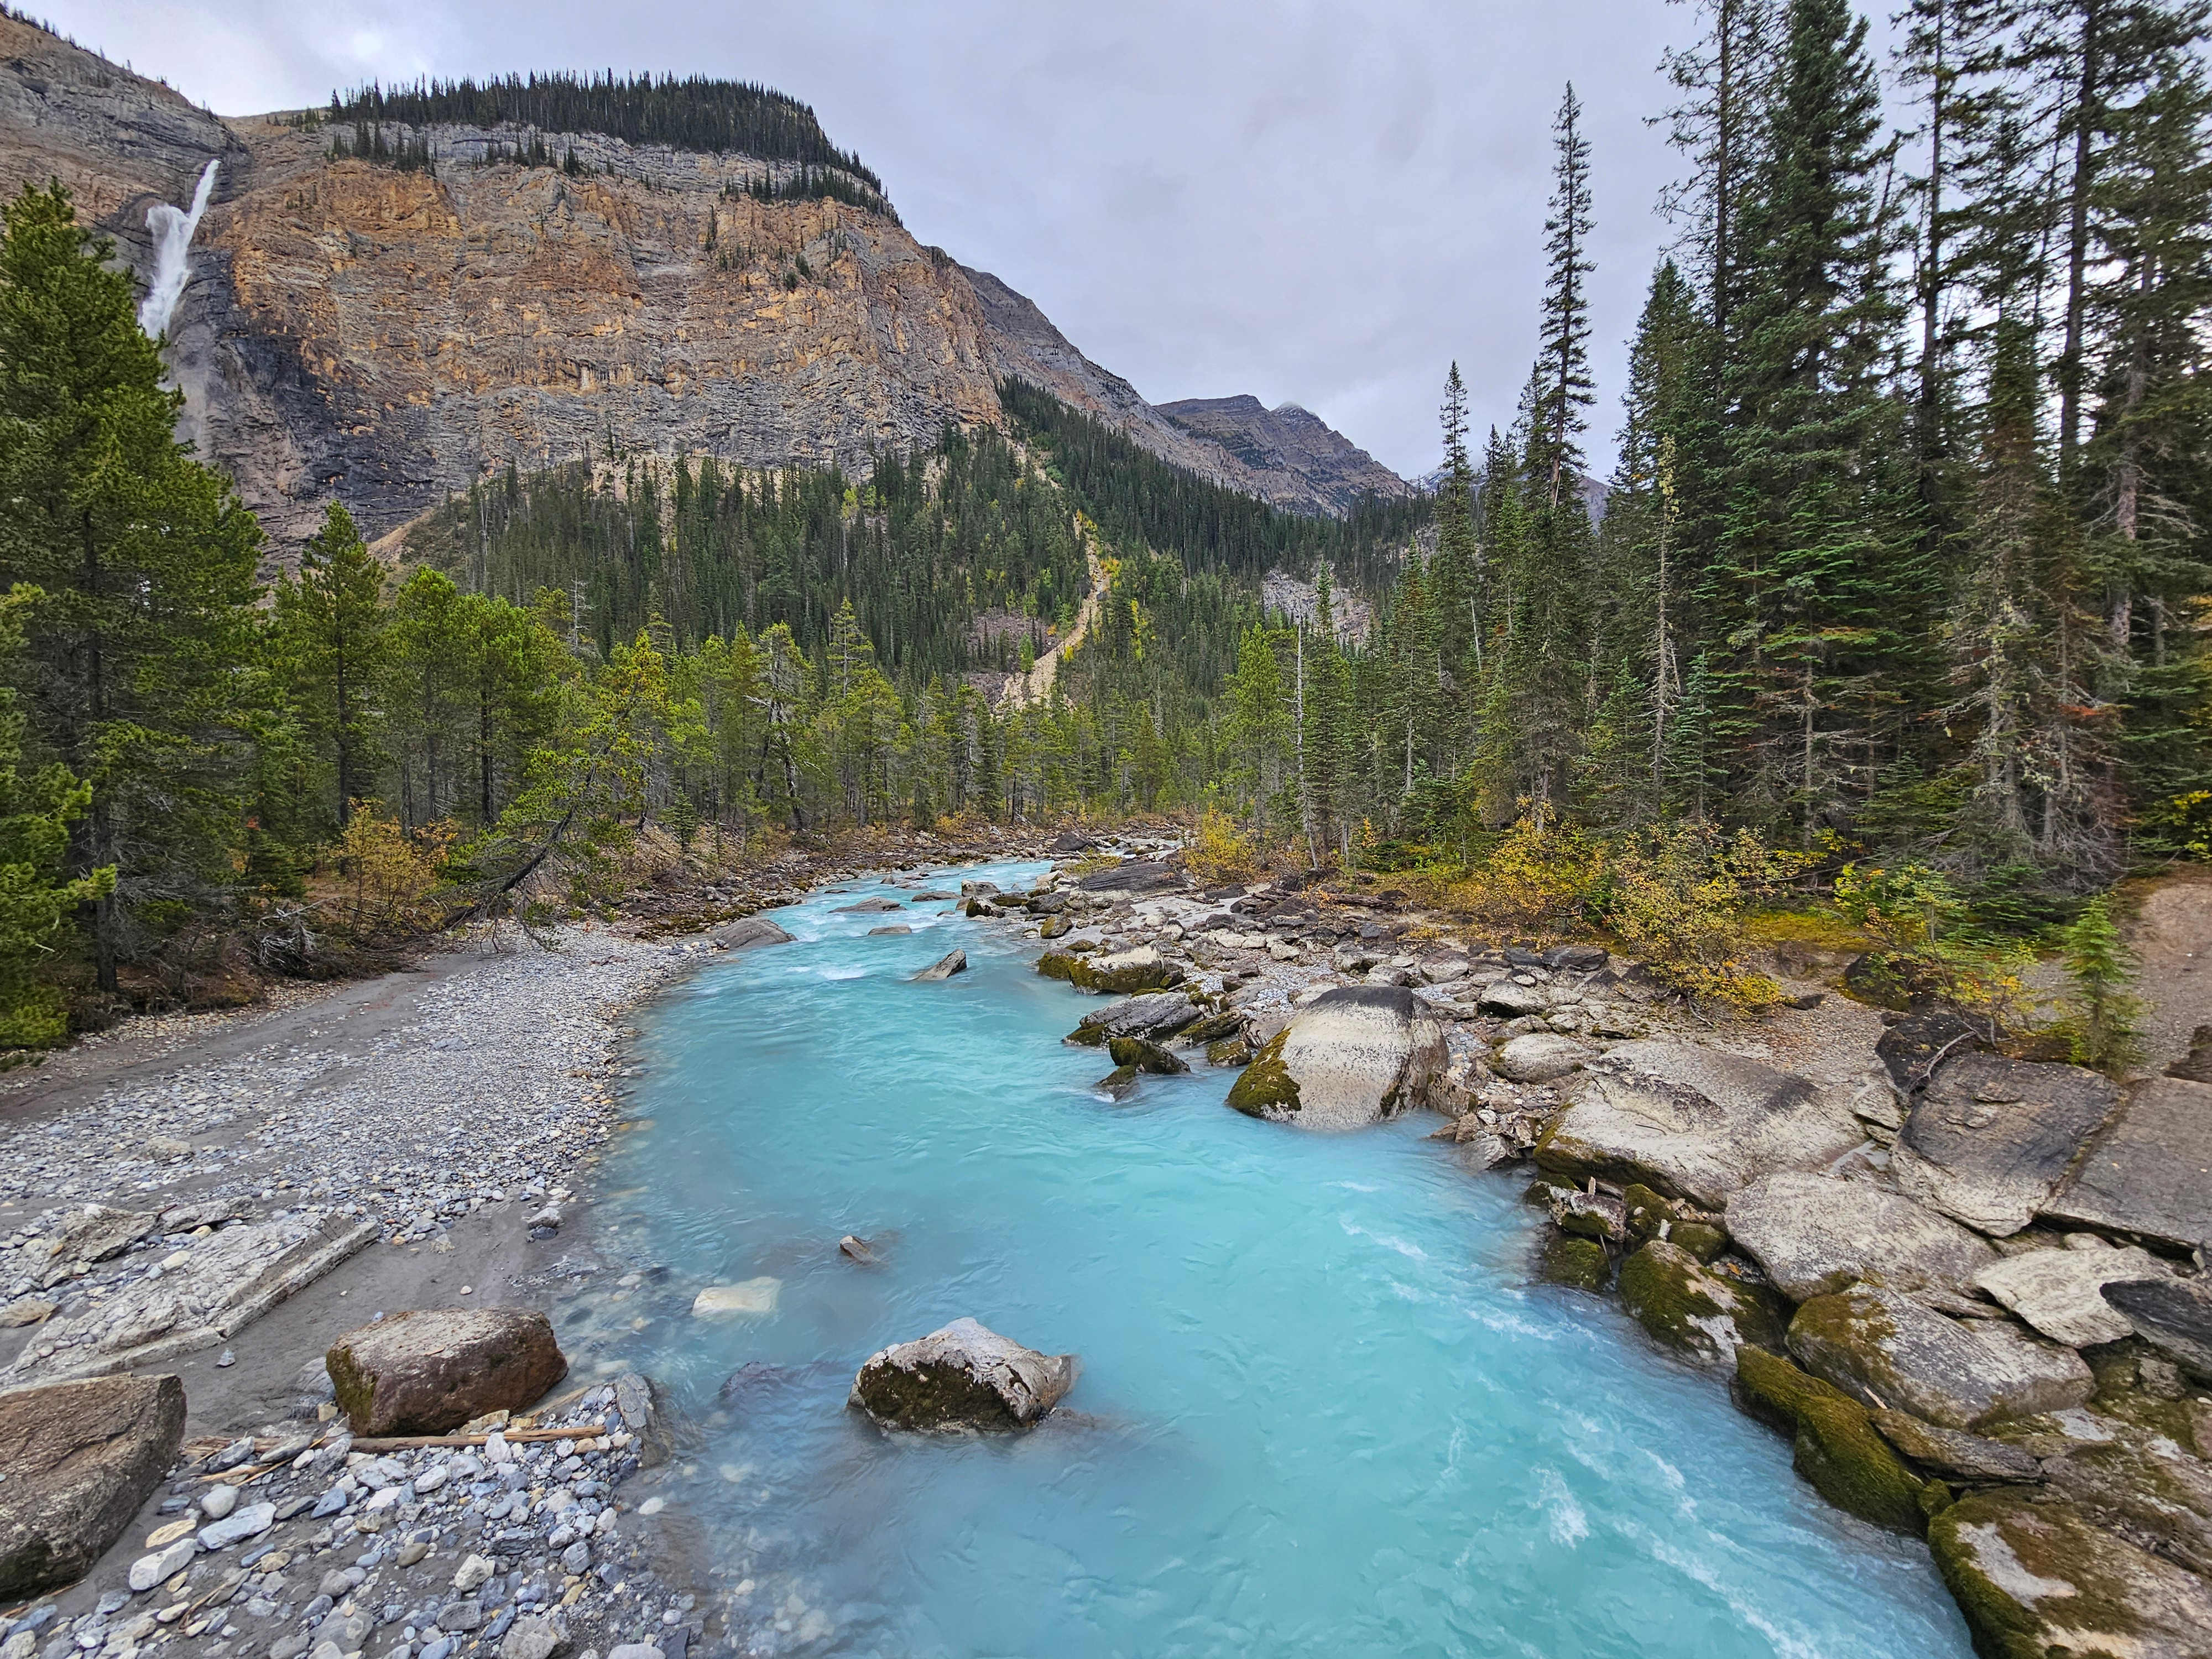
(747, 933)
(428, 1370)
(1136, 1052)
(868, 907)
(1954, 1452)
(962, 1377)
(951, 963)
(162, 1565)
(532, 1638)
(79, 1458)
(749, 1299)
(1509, 999)
(2037, 1578)
(1691, 1122)
(1814, 1234)
(1354, 1055)
(2173, 1315)
(1885, 1350)
(1990, 1138)
(1703, 1313)
(2057, 1291)
(249, 1522)
(1538, 1057)
(1155, 1017)
(2149, 1172)
(97, 1233)
(1143, 969)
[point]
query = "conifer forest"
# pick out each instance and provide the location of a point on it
(1902, 565)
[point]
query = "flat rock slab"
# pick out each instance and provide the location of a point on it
(2149, 1173)
(962, 1377)
(1539, 1057)
(227, 1281)
(868, 907)
(1156, 1018)
(2144, 1486)
(80, 1458)
(430, 1371)
(1887, 1351)
(2059, 1292)
(2037, 1577)
(1954, 1452)
(748, 933)
(1691, 1122)
(1353, 1056)
(752, 1298)
(1134, 876)
(1990, 1138)
(1815, 1234)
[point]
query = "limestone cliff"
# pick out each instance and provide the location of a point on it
(1289, 441)
(386, 336)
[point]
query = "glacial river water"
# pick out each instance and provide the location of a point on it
(1324, 1409)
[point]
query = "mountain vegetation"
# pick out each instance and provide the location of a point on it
(1900, 585)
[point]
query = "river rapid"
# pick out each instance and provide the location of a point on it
(1323, 1408)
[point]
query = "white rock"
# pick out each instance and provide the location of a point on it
(471, 1573)
(148, 1570)
(2057, 1291)
(218, 1501)
(752, 1298)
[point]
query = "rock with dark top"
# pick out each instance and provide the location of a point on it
(951, 963)
(1134, 876)
(1815, 1234)
(1990, 1138)
(2174, 1316)
(1954, 1452)
(2195, 1066)
(1156, 1018)
(1887, 1350)
(79, 1458)
(747, 933)
(868, 907)
(962, 1377)
(1691, 1122)
(2035, 1578)
(1577, 959)
(428, 1370)
(1914, 1045)
(1144, 1056)
(2147, 1173)
(1354, 1056)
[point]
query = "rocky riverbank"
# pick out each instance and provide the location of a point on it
(1970, 1289)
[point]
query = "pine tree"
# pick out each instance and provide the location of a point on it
(1564, 389)
(330, 626)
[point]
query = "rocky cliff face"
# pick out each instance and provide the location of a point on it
(385, 336)
(1289, 442)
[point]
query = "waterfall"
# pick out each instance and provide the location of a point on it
(171, 229)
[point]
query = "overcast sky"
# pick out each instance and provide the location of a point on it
(1320, 203)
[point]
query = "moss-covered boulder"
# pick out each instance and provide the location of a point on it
(1579, 1263)
(1054, 927)
(1837, 1449)
(962, 1377)
(1236, 1050)
(1213, 1027)
(1708, 1241)
(1145, 1057)
(1124, 971)
(1700, 1314)
(1351, 1057)
(1654, 1215)
(1266, 1089)
(1059, 964)
(2035, 1578)
(1590, 1215)
(1119, 1083)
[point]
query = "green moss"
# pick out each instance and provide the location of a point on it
(1118, 1082)
(1229, 1051)
(1672, 1297)
(1058, 965)
(2049, 1541)
(1647, 1210)
(1935, 1498)
(1086, 1036)
(1054, 927)
(1838, 1450)
(1214, 1027)
(1125, 981)
(1843, 1333)
(1581, 1263)
(1130, 1051)
(1700, 1238)
(1266, 1089)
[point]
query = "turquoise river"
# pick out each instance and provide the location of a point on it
(1324, 1409)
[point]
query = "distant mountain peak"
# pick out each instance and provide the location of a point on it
(1290, 440)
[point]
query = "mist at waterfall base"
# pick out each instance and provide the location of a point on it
(171, 229)
(1322, 1409)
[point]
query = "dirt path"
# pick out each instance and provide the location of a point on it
(2173, 940)
(1037, 687)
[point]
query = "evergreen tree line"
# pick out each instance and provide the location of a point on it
(1904, 551)
(693, 112)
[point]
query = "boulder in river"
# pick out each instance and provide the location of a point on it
(1838, 1450)
(1703, 1313)
(868, 907)
(746, 933)
(1691, 1122)
(1885, 1349)
(951, 963)
(2057, 1291)
(428, 1370)
(79, 1458)
(2148, 1172)
(962, 1377)
(2034, 1576)
(1815, 1234)
(1133, 1051)
(2173, 1315)
(1156, 1018)
(1990, 1138)
(1538, 1057)
(1354, 1055)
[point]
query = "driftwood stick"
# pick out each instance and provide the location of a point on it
(512, 1436)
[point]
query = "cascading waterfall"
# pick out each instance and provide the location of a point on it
(171, 228)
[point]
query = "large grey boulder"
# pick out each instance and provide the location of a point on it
(1990, 1138)
(430, 1371)
(1691, 1122)
(79, 1458)
(1134, 876)
(1885, 1350)
(1508, 999)
(1538, 1057)
(1120, 972)
(2149, 1172)
(2035, 1577)
(962, 1377)
(2058, 1291)
(1155, 1017)
(873, 906)
(746, 933)
(2174, 1316)
(1352, 1056)
(1815, 1234)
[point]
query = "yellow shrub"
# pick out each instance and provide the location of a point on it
(391, 878)
(1219, 850)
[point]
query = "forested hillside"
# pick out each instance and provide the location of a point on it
(1902, 570)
